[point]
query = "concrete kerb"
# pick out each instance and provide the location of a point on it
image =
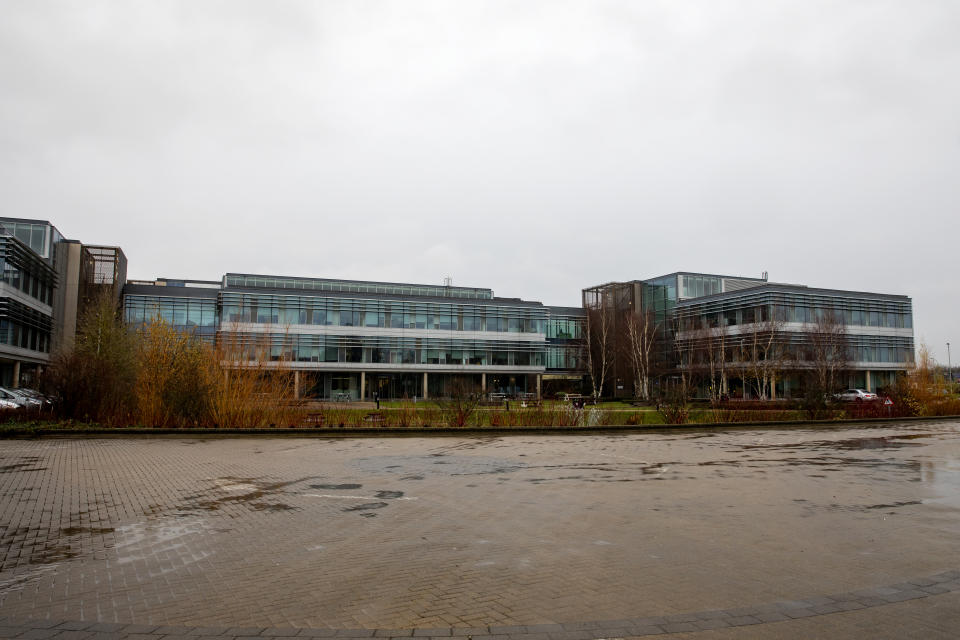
(353, 432)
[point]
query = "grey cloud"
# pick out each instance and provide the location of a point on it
(534, 147)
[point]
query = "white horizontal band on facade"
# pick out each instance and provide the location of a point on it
(384, 367)
(7, 291)
(380, 332)
(24, 355)
(852, 331)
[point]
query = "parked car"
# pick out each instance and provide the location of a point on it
(8, 404)
(32, 394)
(36, 395)
(19, 398)
(855, 395)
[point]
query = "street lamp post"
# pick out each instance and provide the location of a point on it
(949, 366)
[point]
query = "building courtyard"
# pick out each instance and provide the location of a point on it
(849, 531)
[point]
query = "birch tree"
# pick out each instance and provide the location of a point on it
(642, 332)
(765, 353)
(598, 344)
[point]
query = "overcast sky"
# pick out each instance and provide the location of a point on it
(531, 147)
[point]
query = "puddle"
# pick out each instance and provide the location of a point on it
(336, 487)
(894, 505)
(438, 464)
(367, 506)
(76, 531)
(264, 506)
(250, 492)
(898, 441)
(21, 466)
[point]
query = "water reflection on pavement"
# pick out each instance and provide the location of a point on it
(421, 532)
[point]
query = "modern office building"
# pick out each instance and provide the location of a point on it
(46, 279)
(26, 298)
(753, 338)
(564, 365)
(353, 339)
(777, 336)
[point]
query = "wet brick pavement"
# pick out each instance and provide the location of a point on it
(844, 532)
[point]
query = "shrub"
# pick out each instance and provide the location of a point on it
(161, 377)
(94, 381)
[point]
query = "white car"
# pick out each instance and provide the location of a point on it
(19, 398)
(855, 395)
(8, 404)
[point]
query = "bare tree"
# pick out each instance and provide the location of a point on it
(714, 349)
(828, 350)
(686, 351)
(460, 404)
(642, 332)
(764, 350)
(598, 343)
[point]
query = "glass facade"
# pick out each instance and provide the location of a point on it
(232, 280)
(877, 328)
(340, 328)
(26, 319)
(564, 327)
(799, 307)
(698, 286)
(565, 333)
(334, 337)
(563, 358)
(394, 314)
(387, 351)
(196, 315)
(25, 272)
(871, 334)
(660, 296)
(33, 234)
(24, 327)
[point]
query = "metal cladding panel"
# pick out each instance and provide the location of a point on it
(12, 310)
(735, 284)
(169, 292)
(14, 252)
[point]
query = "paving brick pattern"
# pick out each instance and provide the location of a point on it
(737, 619)
(709, 534)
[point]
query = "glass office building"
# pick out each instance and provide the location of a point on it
(354, 339)
(47, 280)
(348, 339)
(873, 335)
(694, 312)
(27, 286)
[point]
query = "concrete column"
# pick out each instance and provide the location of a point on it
(425, 393)
(539, 379)
(363, 384)
(16, 374)
(483, 383)
(869, 382)
(296, 385)
(773, 387)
